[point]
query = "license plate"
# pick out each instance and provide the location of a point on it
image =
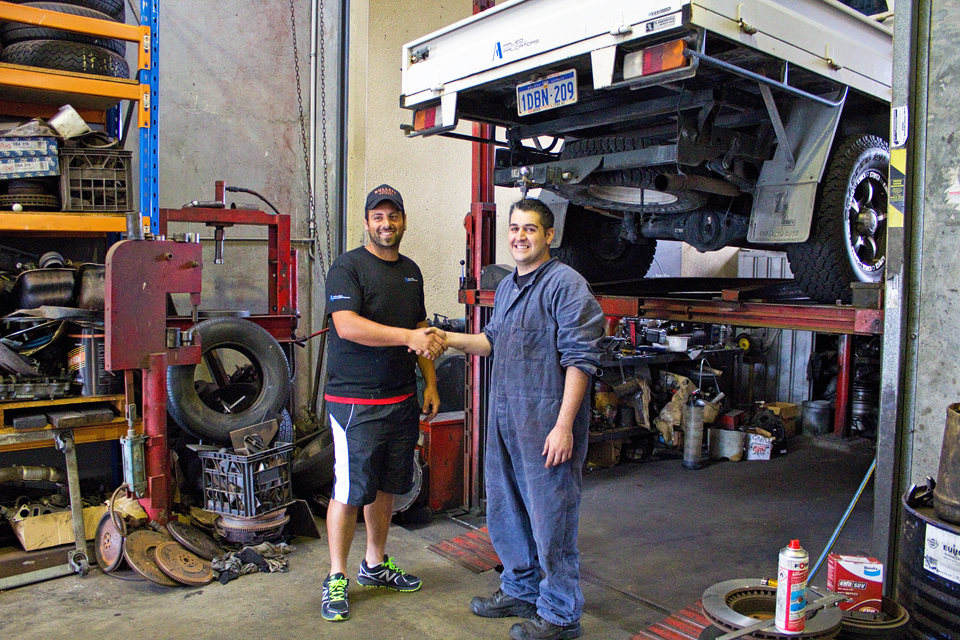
(547, 93)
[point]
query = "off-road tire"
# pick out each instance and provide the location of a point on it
(265, 354)
(116, 9)
(589, 193)
(66, 56)
(14, 32)
(824, 265)
(591, 244)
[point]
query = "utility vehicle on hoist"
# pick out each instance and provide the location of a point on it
(750, 123)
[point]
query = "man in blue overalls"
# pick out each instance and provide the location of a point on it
(544, 339)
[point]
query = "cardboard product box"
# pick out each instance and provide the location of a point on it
(788, 413)
(759, 447)
(18, 147)
(55, 529)
(29, 167)
(604, 454)
(859, 578)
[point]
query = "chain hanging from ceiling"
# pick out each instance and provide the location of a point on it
(316, 253)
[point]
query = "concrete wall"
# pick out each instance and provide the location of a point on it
(432, 174)
(228, 110)
(937, 243)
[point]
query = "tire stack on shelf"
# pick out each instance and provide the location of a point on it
(34, 46)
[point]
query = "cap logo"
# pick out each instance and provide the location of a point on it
(385, 191)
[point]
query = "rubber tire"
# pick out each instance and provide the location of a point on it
(116, 9)
(312, 467)
(67, 56)
(265, 353)
(821, 265)
(641, 178)
(14, 32)
(591, 245)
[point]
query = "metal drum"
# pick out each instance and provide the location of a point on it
(932, 600)
(946, 495)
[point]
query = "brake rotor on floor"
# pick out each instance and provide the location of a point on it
(109, 544)
(237, 530)
(139, 551)
(735, 604)
(194, 540)
(182, 565)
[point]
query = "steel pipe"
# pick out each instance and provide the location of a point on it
(676, 182)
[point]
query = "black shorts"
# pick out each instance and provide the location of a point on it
(374, 445)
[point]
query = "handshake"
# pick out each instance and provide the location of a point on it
(428, 343)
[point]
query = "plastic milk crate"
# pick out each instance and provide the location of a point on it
(247, 486)
(96, 180)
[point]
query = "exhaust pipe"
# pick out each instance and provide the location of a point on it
(33, 474)
(675, 182)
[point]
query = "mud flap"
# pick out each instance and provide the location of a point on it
(786, 191)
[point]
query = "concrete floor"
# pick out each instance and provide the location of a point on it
(653, 537)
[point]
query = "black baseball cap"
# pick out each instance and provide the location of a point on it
(384, 193)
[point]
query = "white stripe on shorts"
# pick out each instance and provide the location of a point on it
(341, 457)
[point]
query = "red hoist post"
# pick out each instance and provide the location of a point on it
(481, 251)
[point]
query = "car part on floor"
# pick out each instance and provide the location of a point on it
(736, 605)
(252, 531)
(139, 550)
(194, 540)
(182, 565)
(239, 405)
(888, 623)
(108, 545)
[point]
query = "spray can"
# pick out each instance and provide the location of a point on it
(792, 573)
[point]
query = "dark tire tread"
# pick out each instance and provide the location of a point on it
(116, 9)
(14, 32)
(189, 411)
(582, 230)
(820, 265)
(66, 56)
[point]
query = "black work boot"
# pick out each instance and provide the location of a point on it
(536, 628)
(500, 605)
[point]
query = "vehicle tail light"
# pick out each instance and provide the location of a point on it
(662, 57)
(427, 118)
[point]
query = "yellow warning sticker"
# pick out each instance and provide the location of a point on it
(897, 198)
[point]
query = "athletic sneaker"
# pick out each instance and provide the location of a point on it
(335, 606)
(388, 576)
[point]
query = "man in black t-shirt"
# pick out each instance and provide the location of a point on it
(376, 303)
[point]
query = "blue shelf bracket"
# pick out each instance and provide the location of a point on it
(149, 135)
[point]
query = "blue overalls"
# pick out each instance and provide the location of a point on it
(554, 322)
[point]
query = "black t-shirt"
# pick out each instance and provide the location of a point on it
(388, 293)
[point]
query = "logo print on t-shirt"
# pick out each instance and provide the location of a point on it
(339, 297)
(410, 279)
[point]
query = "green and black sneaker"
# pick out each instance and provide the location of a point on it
(387, 575)
(335, 606)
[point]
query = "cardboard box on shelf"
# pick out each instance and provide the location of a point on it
(54, 529)
(788, 413)
(29, 167)
(18, 147)
(857, 577)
